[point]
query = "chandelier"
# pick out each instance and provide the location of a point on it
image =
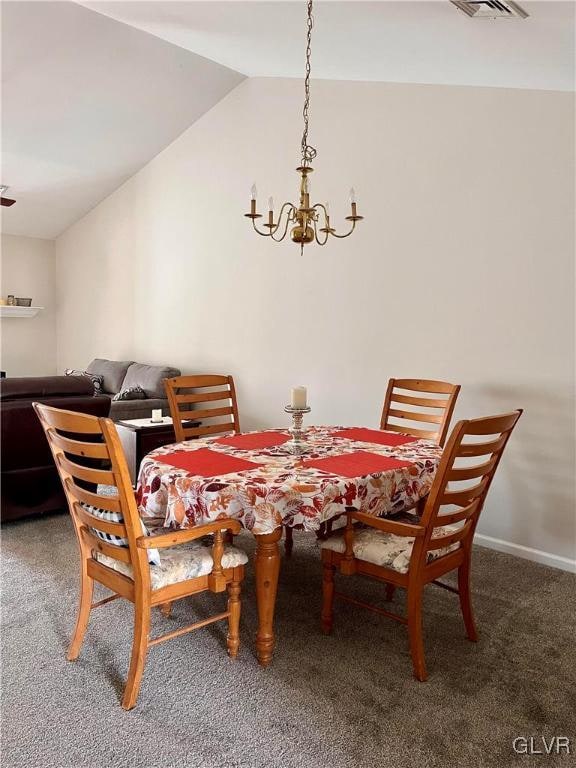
(310, 222)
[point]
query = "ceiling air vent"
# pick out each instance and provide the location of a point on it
(491, 9)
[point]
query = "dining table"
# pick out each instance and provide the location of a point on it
(255, 478)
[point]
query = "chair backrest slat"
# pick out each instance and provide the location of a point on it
(114, 529)
(79, 448)
(465, 495)
(201, 397)
(182, 392)
(111, 550)
(481, 449)
(415, 416)
(88, 455)
(425, 434)
(463, 513)
(423, 402)
(439, 542)
(108, 502)
(211, 413)
(439, 410)
(448, 505)
(88, 474)
(471, 473)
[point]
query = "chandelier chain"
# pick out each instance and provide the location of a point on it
(308, 152)
(307, 222)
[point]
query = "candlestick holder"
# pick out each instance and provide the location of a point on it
(297, 445)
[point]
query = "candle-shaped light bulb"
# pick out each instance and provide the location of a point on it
(253, 192)
(327, 207)
(270, 203)
(352, 195)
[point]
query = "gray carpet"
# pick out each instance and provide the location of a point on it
(346, 700)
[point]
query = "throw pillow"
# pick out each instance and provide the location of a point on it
(118, 541)
(97, 381)
(132, 393)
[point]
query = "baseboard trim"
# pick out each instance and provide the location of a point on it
(537, 555)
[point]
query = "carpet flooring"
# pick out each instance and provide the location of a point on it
(348, 700)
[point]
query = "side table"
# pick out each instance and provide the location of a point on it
(140, 436)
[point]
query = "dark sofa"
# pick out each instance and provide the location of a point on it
(30, 482)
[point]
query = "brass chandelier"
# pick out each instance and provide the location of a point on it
(305, 217)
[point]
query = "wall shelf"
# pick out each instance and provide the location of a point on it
(7, 311)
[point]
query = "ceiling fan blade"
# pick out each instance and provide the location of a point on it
(7, 201)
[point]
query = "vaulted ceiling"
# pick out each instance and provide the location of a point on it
(86, 102)
(401, 41)
(92, 91)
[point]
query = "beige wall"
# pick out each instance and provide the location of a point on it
(28, 269)
(463, 269)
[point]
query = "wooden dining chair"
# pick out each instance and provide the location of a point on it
(193, 397)
(438, 410)
(412, 555)
(118, 552)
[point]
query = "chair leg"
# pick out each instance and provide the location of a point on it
(390, 592)
(327, 598)
(86, 594)
(138, 657)
(415, 633)
(234, 604)
(288, 541)
(166, 609)
(465, 599)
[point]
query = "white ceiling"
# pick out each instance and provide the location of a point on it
(86, 102)
(402, 41)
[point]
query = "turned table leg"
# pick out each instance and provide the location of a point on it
(267, 568)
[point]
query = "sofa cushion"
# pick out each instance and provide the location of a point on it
(113, 372)
(41, 387)
(137, 409)
(149, 377)
(180, 563)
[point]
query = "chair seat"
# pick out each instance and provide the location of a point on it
(387, 549)
(180, 563)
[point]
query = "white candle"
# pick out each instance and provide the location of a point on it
(157, 414)
(299, 397)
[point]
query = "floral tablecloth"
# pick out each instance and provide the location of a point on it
(282, 490)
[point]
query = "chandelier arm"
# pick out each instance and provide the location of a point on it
(264, 234)
(323, 207)
(273, 231)
(288, 220)
(290, 207)
(341, 237)
(320, 242)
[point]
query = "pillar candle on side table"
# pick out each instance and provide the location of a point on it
(298, 397)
